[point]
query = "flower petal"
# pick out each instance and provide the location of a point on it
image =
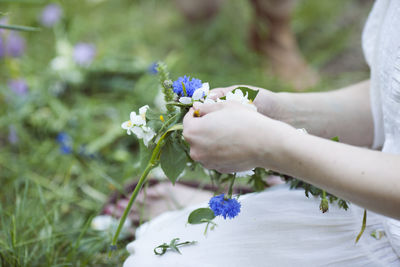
(138, 120)
(138, 132)
(238, 93)
(244, 173)
(198, 94)
(209, 101)
(143, 110)
(206, 88)
(185, 100)
(126, 125)
(133, 115)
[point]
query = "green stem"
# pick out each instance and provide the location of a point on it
(363, 226)
(231, 186)
(139, 185)
(152, 163)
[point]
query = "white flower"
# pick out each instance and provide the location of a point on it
(245, 173)
(102, 222)
(185, 100)
(137, 125)
(302, 130)
(200, 94)
(63, 63)
(107, 223)
(237, 95)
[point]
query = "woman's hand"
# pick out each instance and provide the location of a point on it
(268, 103)
(230, 137)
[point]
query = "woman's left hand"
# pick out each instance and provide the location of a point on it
(231, 137)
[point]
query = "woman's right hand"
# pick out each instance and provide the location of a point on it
(268, 103)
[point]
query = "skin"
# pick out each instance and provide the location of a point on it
(230, 137)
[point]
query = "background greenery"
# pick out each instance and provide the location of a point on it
(48, 198)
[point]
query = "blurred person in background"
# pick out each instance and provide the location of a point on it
(279, 45)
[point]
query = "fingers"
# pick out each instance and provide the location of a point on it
(220, 92)
(188, 117)
(204, 109)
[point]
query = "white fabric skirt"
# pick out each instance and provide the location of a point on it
(277, 227)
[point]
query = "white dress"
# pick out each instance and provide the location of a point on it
(281, 227)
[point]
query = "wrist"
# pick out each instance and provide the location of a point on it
(276, 138)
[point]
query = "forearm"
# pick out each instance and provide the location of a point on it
(345, 113)
(367, 178)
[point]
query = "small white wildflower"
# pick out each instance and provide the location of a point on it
(137, 126)
(107, 223)
(244, 173)
(102, 222)
(201, 94)
(237, 95)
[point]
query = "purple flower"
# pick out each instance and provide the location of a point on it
(225, 207)
(18, 86)
(51, 14)
(84, 53)
(12, 135)
(15, 45)
(3, 21)
(190, 86)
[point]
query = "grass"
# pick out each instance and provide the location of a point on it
(47, 199)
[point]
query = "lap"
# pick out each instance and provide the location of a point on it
(278, 227)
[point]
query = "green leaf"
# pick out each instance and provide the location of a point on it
(336, 138)
(173, 159)
(178, 104)
(251, 93)
(201, 215)
(173, 245)
(176, 127)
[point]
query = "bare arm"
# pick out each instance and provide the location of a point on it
(368, 178)
(345, 113)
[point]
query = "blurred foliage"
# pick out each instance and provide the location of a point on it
(48, 197)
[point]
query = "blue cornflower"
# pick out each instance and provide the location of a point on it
(152, 69)
(190, 85)
(63, 138)
(65, 149)
(225, 207)
(65, 142)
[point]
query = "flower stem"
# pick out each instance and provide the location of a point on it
(139, 185)
(231, 185)
(152, 163)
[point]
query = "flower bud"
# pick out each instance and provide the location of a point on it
(324, 206)
(167, 83)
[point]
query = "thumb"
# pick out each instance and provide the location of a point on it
(204, 109)
(188, 117)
